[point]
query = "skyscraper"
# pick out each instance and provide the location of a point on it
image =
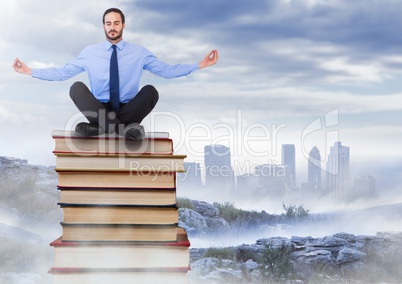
(314, 169)
(338, 171)
(272, 180)
(218, 168)
(289, 160)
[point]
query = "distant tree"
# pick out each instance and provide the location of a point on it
(295, 212)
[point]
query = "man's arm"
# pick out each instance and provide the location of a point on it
(210, 59)
(21, 67)
(50, 74)
(168, 71)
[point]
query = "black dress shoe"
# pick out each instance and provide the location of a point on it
(135, 132)
(88, 129)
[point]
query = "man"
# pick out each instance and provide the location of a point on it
(114, 104)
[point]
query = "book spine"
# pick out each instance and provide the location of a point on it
(63, 205)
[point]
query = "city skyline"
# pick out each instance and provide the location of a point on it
(331, 179)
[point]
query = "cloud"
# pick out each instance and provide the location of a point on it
(302, 42)
(6, 115)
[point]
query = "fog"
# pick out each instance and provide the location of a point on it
(360, 216)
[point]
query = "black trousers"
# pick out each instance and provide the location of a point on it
(133, 111)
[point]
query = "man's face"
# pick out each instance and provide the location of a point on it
(113, 26)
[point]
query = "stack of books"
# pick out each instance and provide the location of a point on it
(119, 211)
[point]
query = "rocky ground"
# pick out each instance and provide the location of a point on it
(338, 258)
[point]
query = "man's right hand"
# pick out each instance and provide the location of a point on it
(21, 67)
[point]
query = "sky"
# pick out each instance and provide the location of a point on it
(303, 72)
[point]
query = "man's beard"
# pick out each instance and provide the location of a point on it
(119, 35)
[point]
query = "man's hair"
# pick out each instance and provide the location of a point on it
(110, 10)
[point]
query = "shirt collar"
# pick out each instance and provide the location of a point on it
(119, 45)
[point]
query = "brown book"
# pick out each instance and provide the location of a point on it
(119, 233)
(130, 163)
(125, 196)
(96, 179)
(122, 256)
(72, 142)
(105, 214)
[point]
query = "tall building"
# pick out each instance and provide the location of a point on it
(314, 169)
(218, 168)
(289, 161)
(338, 171)
(271, 180)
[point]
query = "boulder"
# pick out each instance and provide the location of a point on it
(192, 222)
(217, 224)
(205, 209)
(349, 255)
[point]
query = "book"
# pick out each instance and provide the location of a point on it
(121, 256)
(72, 142)
(130, 163)
(130, 214)
(120, 277)
(118, 233)
(115, 179)
(66, 133)
(111, 196)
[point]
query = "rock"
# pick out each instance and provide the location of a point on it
(192, 222)
(300, 241)
(316, 257)
(213, 270)
(224, 276)
(345, 236)
(328, 241)
(217, 224)
(275, 242)
(250, 265)
(328, 259)
(348, 255)
(205, 209)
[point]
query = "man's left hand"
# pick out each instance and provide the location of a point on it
(210, 59)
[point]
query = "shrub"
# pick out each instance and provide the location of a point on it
(275, 262)
(184, 203)
(229, 212)
(219, 253)
(294, 212)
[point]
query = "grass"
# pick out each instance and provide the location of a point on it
(185, 203)
(220, 253)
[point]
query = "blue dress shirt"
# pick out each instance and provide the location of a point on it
(132, 59)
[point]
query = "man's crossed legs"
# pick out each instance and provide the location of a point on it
(102, 120)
